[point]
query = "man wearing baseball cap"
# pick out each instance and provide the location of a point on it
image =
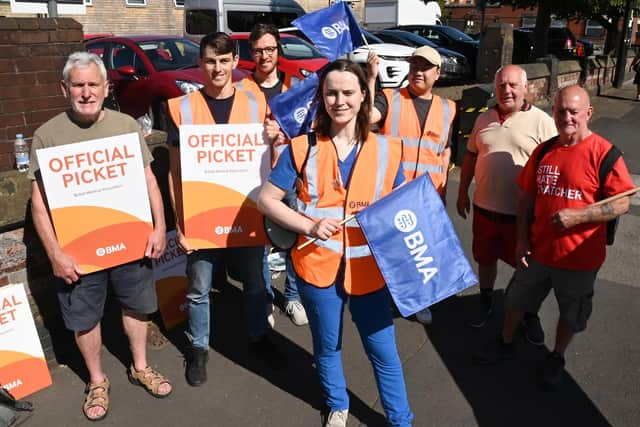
(421, 119)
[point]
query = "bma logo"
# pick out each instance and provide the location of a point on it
(108, 250)
(300, 115)
(227, 229)
(405, 221)
(334, 30)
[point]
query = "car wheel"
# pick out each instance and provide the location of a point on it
(160, 115)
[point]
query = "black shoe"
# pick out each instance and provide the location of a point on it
(494, 351)
(196, 361)
(533, 329)
(481, 318)
(266, 351)
(552, 371)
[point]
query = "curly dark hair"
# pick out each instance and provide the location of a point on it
(323, 121)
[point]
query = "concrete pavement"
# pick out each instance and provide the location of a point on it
(602, 384)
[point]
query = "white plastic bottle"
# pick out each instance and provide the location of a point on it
(22, 153)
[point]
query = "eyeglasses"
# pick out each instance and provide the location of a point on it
(269, 50)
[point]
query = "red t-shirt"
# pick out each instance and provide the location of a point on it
(567, 177)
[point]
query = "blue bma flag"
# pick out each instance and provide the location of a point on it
(295, 109)
(415, 246)
(334, 30)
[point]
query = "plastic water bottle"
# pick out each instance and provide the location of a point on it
(22, 153)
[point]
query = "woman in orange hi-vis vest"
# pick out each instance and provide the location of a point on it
(338, 170)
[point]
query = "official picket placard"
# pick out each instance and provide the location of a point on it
(170, 275)
(23, 367)
(97, 195)
(223, 168)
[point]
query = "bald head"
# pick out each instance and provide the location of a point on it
(511, 88)
(572, 111)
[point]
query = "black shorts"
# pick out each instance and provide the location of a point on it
(82, 303)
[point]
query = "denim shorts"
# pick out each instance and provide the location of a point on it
(573, 290)
(82, 303)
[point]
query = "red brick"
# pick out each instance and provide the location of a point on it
(7, 66)
(10, 79)
(41, 116)
(4, 280)
(45, 50)
(6, 162)
(47, 23)
(68, 48)
(8, 24)
(48, 77)
(6, 146)
(10, 36)
(33, 37)
(12, 51)
(3, 134)
(36, 64)
(14, 119)
(66, 36)
(28, 24)
(68, 23)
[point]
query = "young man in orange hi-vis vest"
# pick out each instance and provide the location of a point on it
(265, 47)
(219, 102)
(421, 119)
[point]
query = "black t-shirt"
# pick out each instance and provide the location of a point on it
(421, 105)
(270, 92)
(220, 110)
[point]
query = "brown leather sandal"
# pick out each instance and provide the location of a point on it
(97, 396)
(150, 379)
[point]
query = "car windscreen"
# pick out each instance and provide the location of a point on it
(456, 34)
(295, 48)
(416, 39)
(245, 21)
(371, 39)
(171, 54)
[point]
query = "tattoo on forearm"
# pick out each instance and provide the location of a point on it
(607, 209)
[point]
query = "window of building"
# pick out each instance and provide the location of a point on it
(137, 3)
(178, 3)
(88, 2)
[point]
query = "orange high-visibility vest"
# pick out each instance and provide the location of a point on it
(192, 109)
(422, 148)
(321, 194)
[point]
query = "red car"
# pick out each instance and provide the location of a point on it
(298, 58)
(145, 71)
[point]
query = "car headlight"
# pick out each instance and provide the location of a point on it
(450, 60)
(187, 86)
(305, 73)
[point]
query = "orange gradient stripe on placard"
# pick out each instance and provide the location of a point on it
(172, 299)
(89, 233)
(31, 371)
(228, 208)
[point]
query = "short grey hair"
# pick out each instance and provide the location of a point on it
(523, 73)
(82, 60)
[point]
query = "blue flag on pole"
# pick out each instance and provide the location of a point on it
(295, 109)
(334, 30)
(415, 246)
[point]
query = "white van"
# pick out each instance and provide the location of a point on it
(206, 16)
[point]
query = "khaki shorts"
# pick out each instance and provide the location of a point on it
(573, 290)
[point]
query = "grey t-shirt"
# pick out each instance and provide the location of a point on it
(62, 130)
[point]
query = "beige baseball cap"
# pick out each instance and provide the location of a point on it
(430, 54)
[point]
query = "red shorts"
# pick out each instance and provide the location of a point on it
(494, 237)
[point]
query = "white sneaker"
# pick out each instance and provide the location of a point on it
(424, 316)
(296, 313)
(270, 319)
(337, 419)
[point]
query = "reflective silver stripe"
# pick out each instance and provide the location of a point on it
(425, 143)
(185, 110)
(253, 107)
(383, 161)
(422, 168)
(352, 223)
(240, 85)
(446, 114)
(312, 175)
(313, 212)
(395, 115)
(332, 245)
(357, 251)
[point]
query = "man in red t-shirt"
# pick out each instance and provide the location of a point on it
(560, 237)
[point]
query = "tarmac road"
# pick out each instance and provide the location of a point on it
(601, 388)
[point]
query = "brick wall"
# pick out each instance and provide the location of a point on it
(32, 53)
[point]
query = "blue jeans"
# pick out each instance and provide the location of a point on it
(372, 315)
(247, 262)
(290, 287)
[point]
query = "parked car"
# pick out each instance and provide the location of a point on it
(448, 37)
(561, 43)
(145, 71)
(393, 68)
(298, 58)
(455, 66)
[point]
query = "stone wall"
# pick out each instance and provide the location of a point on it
(32, 53)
